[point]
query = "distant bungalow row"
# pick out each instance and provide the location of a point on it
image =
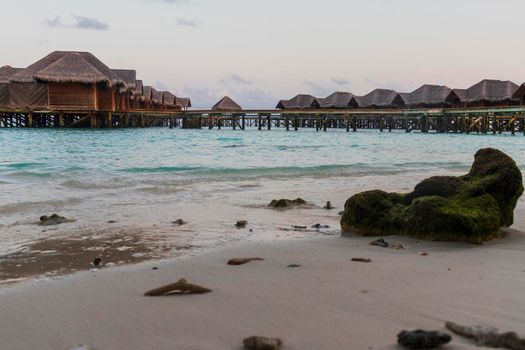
(486, 93)
(78, 81)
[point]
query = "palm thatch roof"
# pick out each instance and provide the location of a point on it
(169, 98)
(128, 75)
(431, 96)
(491, 91)
(301, 101)
(147, 93)
(520, 93)
(69, 67)
(226, 104)
(138, 87)
(182, 102)
(337, 100)
(6, 72)
(380, 98)
(156, 96)
(461, 93)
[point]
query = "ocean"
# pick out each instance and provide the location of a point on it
(141, 180)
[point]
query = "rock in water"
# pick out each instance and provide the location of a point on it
(262, 343)
(241, 224)
(54, 219)
(286, 203)
(420, 339)
(469, 208)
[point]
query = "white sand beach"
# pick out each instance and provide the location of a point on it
(327, 303)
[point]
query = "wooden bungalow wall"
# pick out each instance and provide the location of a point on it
(106, 99)
(72, 96)
(28, 95)
(4, 94)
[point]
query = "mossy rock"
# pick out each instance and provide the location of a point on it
(469, 208)
(287, 203)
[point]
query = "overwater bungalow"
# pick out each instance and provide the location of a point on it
(226, 104)
(136, 94)
(183, 103)
(6, 72)
(301, 101)
(380, 98)
(337, 100)
(66, 80)
(146, 100)
(491, 93)
(169, 100)
(431, 96)
(519, 95)
(125, 93)
(157, 98)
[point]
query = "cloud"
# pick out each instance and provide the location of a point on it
(318, 89)
(184, 22)
(235, 79)
(79, 22)
(341, 81)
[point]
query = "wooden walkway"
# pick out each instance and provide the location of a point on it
(471, 120)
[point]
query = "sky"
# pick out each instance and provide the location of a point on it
(258, 52)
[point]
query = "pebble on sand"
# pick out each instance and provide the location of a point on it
(420, 339)
(178, 288)
(241, 224)
(380, 243)
(242, 261)
(262, 343)
(364, 260)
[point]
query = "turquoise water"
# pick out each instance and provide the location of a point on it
(143, 179)
(39, 155)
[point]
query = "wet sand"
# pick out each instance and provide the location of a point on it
(330, 302)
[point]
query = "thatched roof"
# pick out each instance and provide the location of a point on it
(69, 67)
(147, 93)
(520, 93)
(431, 95)
(491, 91)
(461, 93)
(337, 100)
(301, 101)
(156, 96)
(6, 72)
(380, 98)
(138, 87)
(183, 102)
(226, 104)
(169, 98)
(128, 75)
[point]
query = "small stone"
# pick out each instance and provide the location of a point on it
(179, 222)
(423, 253)
(155, 268)
(287, 203)
(262, 343)
(420, 339)
(251, 230)
(52, 220)
(299, 227)
(241, 224)
(112, 222)
(242, 261)
(319, 226)
(364, 260)
(380, 243)
(96, 262)
(328, 206)
(293, 266)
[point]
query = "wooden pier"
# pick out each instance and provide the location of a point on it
(471, 120)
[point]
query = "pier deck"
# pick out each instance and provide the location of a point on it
(468, 120)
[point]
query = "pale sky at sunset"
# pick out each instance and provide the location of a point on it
(261, 51)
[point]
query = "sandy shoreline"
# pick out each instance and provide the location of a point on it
(327, 303)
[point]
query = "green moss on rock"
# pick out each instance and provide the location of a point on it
(469, 208)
